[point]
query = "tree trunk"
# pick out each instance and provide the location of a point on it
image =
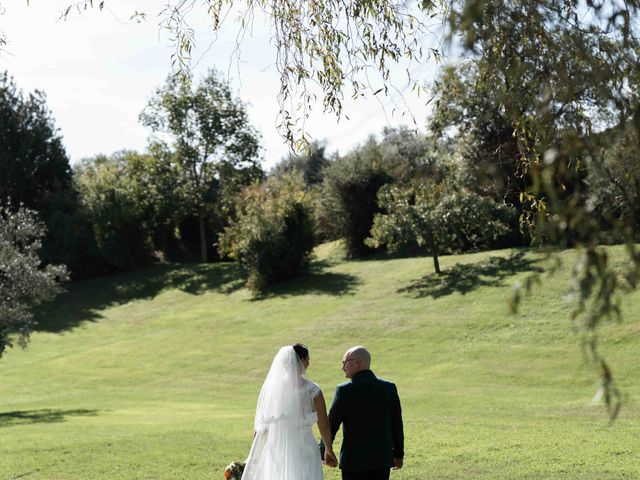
(436, 263)
(203, 239)
(434, 251)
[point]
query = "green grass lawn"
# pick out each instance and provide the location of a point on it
(155, 374)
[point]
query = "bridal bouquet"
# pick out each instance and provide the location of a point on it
(234, 471)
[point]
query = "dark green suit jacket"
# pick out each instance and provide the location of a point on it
(368, 408)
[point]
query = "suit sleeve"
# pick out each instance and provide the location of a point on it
(397, 429)
(335, 413)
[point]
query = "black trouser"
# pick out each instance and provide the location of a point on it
(368, 475)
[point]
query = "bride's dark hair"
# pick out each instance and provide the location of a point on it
(301, 350)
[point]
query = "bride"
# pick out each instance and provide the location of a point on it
(284, 447)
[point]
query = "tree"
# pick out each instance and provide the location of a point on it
(469, 119)
(204, 132)
(152, 184)
(34, 167)
(33, 163)
(273, 235)
(129, 213)
(405, 154)
(347, 202)
(310, 163)
(118, 221)
(437, 218)
(614, 181)
(561, 72)
(23, 281)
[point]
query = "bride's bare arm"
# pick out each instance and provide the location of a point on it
(323, 425)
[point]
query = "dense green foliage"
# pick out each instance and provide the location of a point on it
(115, 211)
(405, 154)
(204, 134)
(310, 164)
(614, 183)
(155, 374)
(469, 122)
(273, 236)
(153, 184)
(348, 200)
(34, 167)
(24, 282)
(439, 218)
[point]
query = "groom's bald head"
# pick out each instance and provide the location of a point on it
(355, 360)
(361, 354)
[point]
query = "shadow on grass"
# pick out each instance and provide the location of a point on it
(83, 300)
(315, 282)
(464, 278)
(27, 417)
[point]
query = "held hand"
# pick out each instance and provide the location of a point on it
(397, 463)
(330, 459)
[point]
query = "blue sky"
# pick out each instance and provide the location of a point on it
(99, 69)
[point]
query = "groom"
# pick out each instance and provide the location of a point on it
(369, 410)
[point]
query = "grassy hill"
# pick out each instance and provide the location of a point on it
(155, 374)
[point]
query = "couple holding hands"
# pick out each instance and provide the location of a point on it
(367, 407)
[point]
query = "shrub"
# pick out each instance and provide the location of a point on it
(273, 235)
(348, 201)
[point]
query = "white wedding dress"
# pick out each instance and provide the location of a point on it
(284, 447)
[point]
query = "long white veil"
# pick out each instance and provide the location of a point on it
(280, 418)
